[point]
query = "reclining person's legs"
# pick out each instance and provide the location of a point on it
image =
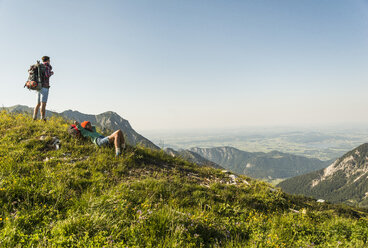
(117, 138)
(120, 139)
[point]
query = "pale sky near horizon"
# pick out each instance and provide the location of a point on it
(171, 64)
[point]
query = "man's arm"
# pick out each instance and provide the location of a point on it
(48, 71)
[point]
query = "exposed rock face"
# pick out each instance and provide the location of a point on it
(348, 166)
(353, 165)
(345, 180)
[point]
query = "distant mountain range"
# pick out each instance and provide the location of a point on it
(344, 181)
(107, 121)
(259, 164)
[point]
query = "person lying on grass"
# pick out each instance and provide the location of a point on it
(89, 131)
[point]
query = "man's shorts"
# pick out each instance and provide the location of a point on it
(42, 95)
(102, 141)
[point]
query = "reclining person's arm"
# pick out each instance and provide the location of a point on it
(84, 132)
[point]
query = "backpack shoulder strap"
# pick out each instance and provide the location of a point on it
(39, 69)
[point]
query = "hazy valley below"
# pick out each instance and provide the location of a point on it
(324, 144)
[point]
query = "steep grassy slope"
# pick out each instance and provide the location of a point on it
(82, 196)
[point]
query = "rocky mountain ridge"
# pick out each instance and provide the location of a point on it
(344, 181)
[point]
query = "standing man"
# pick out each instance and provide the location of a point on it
(43, 93)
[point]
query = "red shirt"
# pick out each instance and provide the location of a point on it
(48, 74)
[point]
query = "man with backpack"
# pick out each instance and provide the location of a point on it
(88, 131)
(45, 72)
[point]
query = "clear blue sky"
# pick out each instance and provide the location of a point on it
(193, 63)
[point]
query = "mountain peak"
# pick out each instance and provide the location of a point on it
(360, 153)
(110, 113)
(70, 111)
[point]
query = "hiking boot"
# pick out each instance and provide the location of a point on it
(117, 152)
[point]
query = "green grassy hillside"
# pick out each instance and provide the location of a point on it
(82, 196)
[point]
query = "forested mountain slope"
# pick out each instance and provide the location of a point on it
(344, 181)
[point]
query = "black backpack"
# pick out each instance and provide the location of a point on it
(36, 76)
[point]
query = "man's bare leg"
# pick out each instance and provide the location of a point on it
(122, 141)
(35, 112)
(43, 111)
(117, 138)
